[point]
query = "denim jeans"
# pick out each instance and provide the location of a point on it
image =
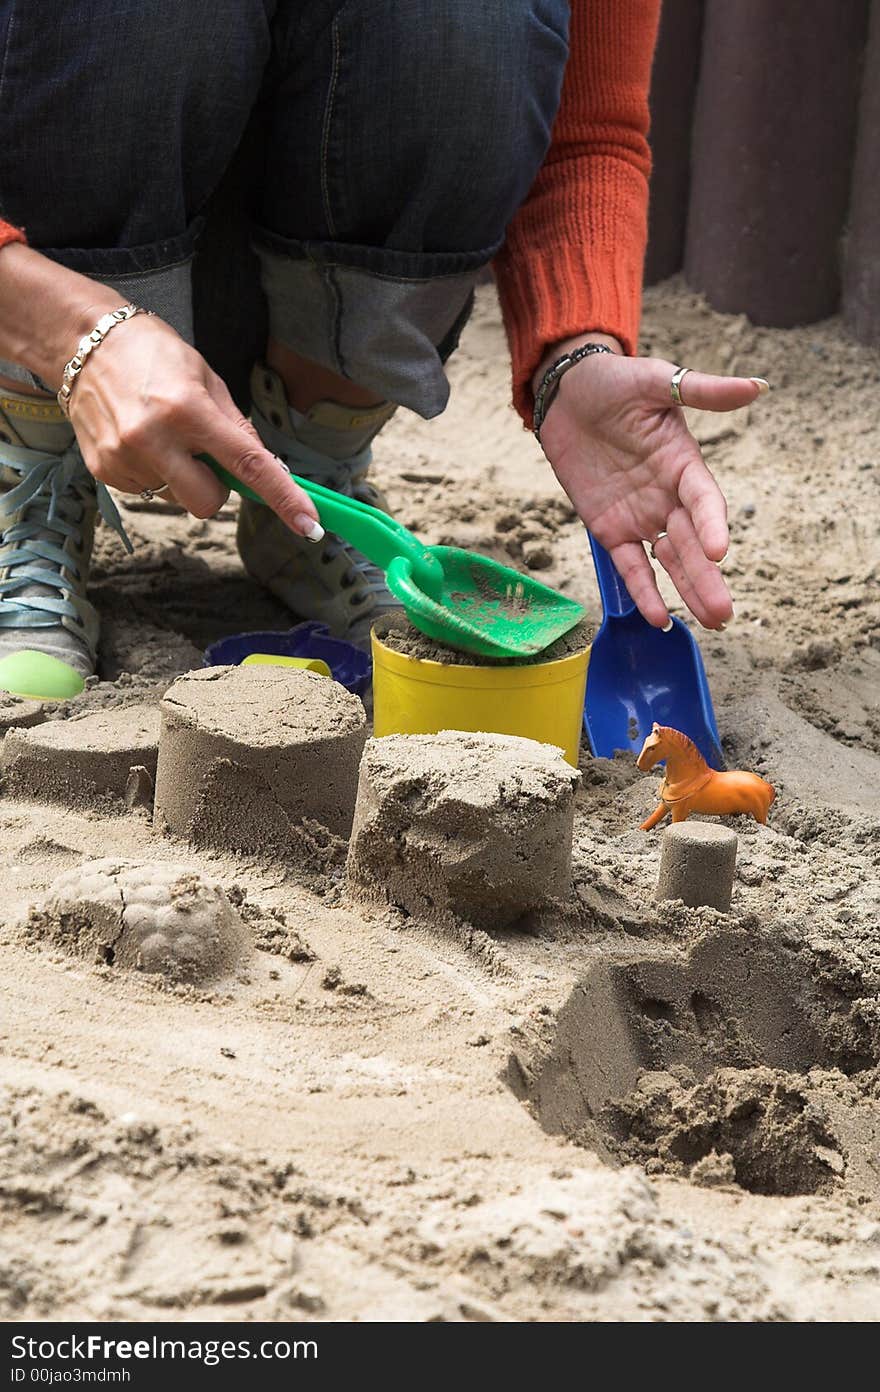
(398, 138)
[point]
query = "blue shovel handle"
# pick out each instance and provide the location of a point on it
(617, 601)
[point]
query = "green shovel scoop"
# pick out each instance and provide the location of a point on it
(460, 599)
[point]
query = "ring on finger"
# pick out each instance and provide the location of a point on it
(661, 536)
(678, 377)
(148, 494)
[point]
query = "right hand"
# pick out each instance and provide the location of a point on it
(624, 454)
(146, 403)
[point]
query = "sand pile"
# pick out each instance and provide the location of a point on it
(474, 825)
(145, 916)
(398, 634)
(16, 713)
(84, 762)
(249, 755)
(763, 1129)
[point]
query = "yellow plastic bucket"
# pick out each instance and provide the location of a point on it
(543, 701)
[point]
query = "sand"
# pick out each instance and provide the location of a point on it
(142, 916)
(82, 763)
(612, 1109)
(473, 826)
(249, 755)
(697, 863)
(398, 634)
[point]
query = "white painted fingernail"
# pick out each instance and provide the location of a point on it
(667, 627)
(762, 384)
(308, 527)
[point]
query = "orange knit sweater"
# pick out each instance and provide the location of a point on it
(574, 252)
(572, 260)
(8, 233)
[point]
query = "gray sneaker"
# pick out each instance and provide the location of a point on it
(330, 580)
(48, 508)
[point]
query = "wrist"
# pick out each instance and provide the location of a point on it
(87, 345)
(75, 320)
(565, 345)
(62, 306)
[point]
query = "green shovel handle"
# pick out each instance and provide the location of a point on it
(382, 539)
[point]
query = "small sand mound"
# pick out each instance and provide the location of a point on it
(580, 1231)
(474, 825)
(145, 916)
(84, 762)
(250, 755)
(759, 1127)
(18, 713)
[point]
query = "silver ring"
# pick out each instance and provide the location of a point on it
(659, 537)
(678, 377)
(148, 494)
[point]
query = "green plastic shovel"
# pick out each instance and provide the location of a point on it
(460, 599)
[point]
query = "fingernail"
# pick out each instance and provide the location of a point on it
(667, 627)
(762, 384)
(308, 527)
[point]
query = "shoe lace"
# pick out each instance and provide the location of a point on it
(38, 515)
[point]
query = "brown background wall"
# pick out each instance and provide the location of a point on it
(766, 138)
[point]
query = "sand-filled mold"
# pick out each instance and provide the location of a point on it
(249, 757)
(477, 826)
(701, 1066)
(167, 919)
(81, 763)
(400, 636)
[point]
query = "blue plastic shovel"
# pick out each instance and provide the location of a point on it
(638, 674)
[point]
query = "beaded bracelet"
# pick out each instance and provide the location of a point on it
(546, 393)
(88, 345)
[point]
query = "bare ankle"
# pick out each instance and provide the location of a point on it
(308, 382)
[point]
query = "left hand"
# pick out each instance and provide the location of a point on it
(623, 453)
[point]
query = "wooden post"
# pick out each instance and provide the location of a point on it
(861, 266)
(773, 145)
(673, 89)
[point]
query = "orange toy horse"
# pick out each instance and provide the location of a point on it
(690, 785)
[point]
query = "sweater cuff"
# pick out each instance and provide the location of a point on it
(586, 276)
(8, 233)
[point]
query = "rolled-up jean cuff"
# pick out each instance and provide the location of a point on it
(386, 320)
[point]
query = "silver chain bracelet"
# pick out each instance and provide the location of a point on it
(88, 345)
(546, 393)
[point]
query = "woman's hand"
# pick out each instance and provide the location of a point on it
(146, 402)
(625, 457)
